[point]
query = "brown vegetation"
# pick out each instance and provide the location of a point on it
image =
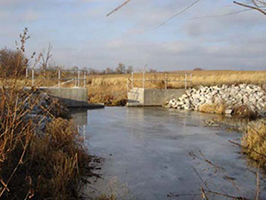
(107, 88)
(254, 142)
(9, 59)
(214, 108)
(244, 111)
(35, 164)
(40, 154)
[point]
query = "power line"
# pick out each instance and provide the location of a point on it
(117, 8)
(222, 15)
(179, 13)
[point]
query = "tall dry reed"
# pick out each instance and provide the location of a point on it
(37, 163)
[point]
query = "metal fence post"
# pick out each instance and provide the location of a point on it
(78, 78)
(165, 81)
(32, 77)
(59, 78)
(143, 84)
(191, 80)
(132, 80)
(85, 77)
(185, 81)
(27, 72)
(127, 85)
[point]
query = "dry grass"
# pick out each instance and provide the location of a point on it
(254, 142)
(108, 100)
(243, 111)
(106, 197)
(36, 163)
(108, 89)
(228, 77)
(214, 108)
(57, 161)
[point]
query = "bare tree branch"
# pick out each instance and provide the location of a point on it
(222, 15)
(255, 7)
(117, 8)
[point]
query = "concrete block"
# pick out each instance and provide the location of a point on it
(152, 97)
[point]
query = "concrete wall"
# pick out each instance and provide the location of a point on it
(152, 97)
(72, 97)
(135, 97)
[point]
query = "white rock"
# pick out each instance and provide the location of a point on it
(228, 111)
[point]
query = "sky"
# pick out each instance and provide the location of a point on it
(208, 35)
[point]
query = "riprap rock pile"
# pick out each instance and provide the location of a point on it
(247, 96)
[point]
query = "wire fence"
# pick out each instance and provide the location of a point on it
(56, 78)
(159, 80)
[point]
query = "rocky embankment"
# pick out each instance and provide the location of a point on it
(42, 108)
(243, 99)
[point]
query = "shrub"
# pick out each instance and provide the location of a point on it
(244, 111)
(12, 62)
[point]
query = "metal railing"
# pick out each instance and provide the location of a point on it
(62, 77)
(184, 78)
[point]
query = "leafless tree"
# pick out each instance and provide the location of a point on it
(108, 70)
(258, 5)
(46, 56)
(120, 69)
(198, 69)
(152, 70)
(129, 69)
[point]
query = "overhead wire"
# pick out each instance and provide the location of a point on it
(117, 8)
(179, 13)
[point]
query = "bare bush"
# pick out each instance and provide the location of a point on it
(12, 62)
(40, 155)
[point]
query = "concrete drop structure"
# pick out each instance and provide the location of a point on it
(72, 97)
(75, 97)
(143, 97)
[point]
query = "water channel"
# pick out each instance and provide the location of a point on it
(147, 154)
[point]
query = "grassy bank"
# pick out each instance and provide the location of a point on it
(38, 163)
(254, 142)
(111, 89)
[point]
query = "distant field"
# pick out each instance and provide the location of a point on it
(102, 87)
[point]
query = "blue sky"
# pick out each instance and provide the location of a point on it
(83, 36)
